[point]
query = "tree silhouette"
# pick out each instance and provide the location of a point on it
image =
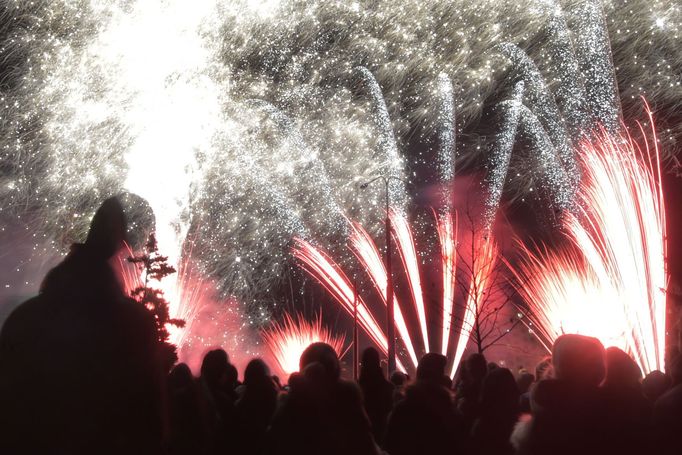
(155, 267)
(489, 312)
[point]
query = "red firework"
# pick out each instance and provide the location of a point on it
(329, 274)
(610, 281)
(286, 341)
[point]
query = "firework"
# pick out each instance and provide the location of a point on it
(483, 262)
(157, 97)
(447, 233)
(330, 275)
(337, 283)
(610, 281)
(368, 255)
(446, 138)
(389, 161)
(502, 153)
(408, 254)
(323, 269)
(287, 340)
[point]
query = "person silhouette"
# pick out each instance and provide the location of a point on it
(377, 392)
(219, 396)
(468, 387)
(255, 407)
(628, 412)
(188, 427)
(322, 413)
(654, 385)
(425, 420)
(667, 424)
(498, 413)
(568, 415)
(79, 363)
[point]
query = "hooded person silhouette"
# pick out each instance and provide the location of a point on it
(322, 413)
(79, 363)
(568, 412)
(424, 422)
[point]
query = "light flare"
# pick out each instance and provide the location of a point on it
(484, 253)
(287, 340)
(367, 253)
(447, 233)
(610, 281)
(408, 254)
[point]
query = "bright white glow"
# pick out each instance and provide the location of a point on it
(447, 233)
(157, 60)
(610, 283)
(367, 253)
(287, 341)
(408, 253)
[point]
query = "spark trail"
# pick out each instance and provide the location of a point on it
(610, 281)
(287, 340)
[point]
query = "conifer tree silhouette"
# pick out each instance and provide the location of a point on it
(155, 267)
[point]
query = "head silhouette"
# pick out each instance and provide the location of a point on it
(524, 381)
(214, 367)
(180, 377)
(256, 372)
(371, 359)
(398, 378)
(476, 367)
(431, 368)
(325, 356)
(499, 391)
(107, 229)
(232, 376)
(655, 384)
(370, 368)
(579, 360)
(621, 369)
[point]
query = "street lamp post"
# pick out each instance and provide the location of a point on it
(356, 359)
(390, 318)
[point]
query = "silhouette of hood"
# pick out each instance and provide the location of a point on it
(107, 229)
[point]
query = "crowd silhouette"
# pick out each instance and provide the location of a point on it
(81, 373)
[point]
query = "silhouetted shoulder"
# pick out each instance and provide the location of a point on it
(22, 314)
(22, 325)
(669, 405)
(349, 392)
(548, 394)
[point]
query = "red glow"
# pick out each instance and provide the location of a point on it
(485, 249)
(610, 281)
(286, 341)
(447, 233)
(329, 274)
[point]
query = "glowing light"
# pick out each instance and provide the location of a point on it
(610, 281)
(158, 57)
(287, 340)
(367, 253)
(329, 274)
(484, 248)
(447, 233)
(408, 253)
